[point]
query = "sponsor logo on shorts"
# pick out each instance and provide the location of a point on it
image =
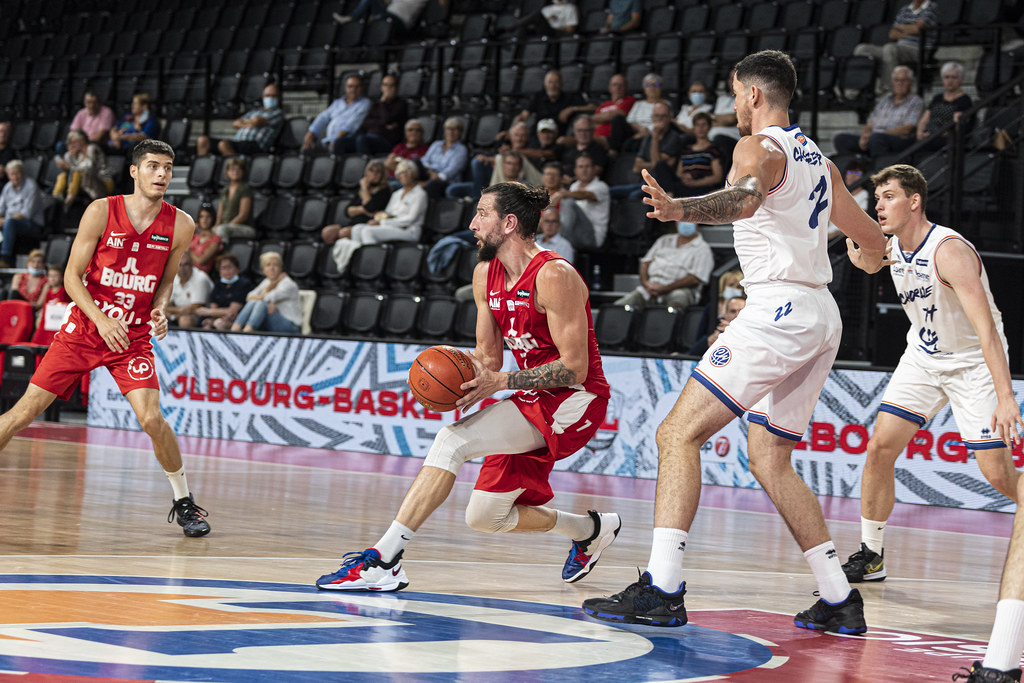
(720, 356)
(163, 239)
(140, 368)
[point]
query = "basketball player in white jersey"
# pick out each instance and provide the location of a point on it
(956, 352)
(772, 360)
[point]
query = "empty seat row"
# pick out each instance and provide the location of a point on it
(653, 329)
(406, 317)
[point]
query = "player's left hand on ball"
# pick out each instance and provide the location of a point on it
(481, 386)
(159, 321)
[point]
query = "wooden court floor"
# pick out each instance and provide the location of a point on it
(94, 583)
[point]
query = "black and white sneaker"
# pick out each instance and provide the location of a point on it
(981, 674)
(845, 617)
(865, 565)
(189, 516)
(640, 603)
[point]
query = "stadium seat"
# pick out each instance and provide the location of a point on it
(655, 331)
(326, 318)
(613, 326)
(361, 313)
(436, 319)
(399, 315)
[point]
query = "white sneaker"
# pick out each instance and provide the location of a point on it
(365, 572)
(584, 554)
(341, 18)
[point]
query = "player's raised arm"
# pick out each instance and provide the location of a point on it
(957, 264)
(184, 227)
(865, 242)
(90, 231)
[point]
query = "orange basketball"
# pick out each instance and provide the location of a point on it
(437, 374)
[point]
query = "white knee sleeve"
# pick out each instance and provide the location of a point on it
(448, 451)
(498, 428)
(493, 512)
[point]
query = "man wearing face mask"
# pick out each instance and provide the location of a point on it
(673, 270)
(255, 131)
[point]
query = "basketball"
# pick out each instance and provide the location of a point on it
(437, 374)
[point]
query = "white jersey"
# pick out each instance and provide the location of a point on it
(941, 336)
(786, 238)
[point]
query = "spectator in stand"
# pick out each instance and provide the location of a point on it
(733, 306)
(412, 148)
(273, 306)
(445, 160)
(30, 284)
(697, 102)
(551, 178)
(206, 244)
(382, 127)
(623, 15)
(227, 296)
(609, 118)
(374, 193)
(852, 174)
(724, 131)
(342, 118)
(584, 207)
(485, 168)
(234, 210)
(401, 221)
(407, 12)
(729, 287)
(659, 153)
(562, 16)
(583, 143)
(53, 304)
(639, 116)
(945, 108)
(21, 211)
(673, 270)
(134, 127)
(255, 131)
(6, 153)
(554, 103)
(83, 169)
(700, 164)
(94, 119)
(904, 46)
(892, 125)
(191, 290)
(545, 147)
(550, 224)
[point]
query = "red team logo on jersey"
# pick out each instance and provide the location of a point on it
(140, 368)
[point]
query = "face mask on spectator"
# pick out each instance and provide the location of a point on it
(37, 272)
(269, 102)
(686, 229)
(231, 281)
(731, 292)
(696, 98)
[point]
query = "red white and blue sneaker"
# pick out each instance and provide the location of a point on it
(584, 554)
(364, 571)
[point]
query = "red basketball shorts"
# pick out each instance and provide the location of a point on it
(72, 355)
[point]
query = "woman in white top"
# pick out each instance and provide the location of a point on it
(274, 305)
(697, 97)
(401, 221)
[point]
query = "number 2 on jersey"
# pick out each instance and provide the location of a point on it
(819, 203)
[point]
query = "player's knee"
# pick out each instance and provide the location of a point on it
(152, 423)
(491, 515)
(881, 451)
(448, 450)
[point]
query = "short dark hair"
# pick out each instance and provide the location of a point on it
(552, 164)
(229, 257)
(773, 72)
(703, 116)
(158, 147)
(522, 201)
(909, 178)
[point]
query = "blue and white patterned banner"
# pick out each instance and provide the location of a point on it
(353, 396)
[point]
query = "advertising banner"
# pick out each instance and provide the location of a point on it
(349, 395)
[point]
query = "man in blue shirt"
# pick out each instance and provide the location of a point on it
(21, 211)
(343, 117)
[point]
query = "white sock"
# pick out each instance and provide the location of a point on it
(1007, 641)
(666, 562)
(832, 584)
(394, 541)
(871, 533)
(576, 527)
(178, 483)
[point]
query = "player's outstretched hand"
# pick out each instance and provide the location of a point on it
(485, 383)
(159, 321)
(664, 207)
(1006, 422)
(114, 333)
(866, 261)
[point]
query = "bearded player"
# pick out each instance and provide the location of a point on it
(538, 305)
(119, 277)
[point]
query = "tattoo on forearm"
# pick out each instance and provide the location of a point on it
(723, 206)
(547, 376)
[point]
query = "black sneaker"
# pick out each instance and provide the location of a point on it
(981, 674)
(189, 516)
(865, 565)
(844, 617)
(640, 603)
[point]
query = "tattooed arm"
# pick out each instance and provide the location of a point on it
(758, 165)
(561, 294)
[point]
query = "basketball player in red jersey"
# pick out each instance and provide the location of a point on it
(119, 277)
(538, 305)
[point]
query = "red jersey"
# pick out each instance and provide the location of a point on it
(525, 329)
(127, 266)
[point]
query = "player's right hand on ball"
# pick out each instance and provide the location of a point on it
(114, 333)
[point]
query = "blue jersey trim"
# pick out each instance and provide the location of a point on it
(902, 412)
(721, 395)
(758, 418)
